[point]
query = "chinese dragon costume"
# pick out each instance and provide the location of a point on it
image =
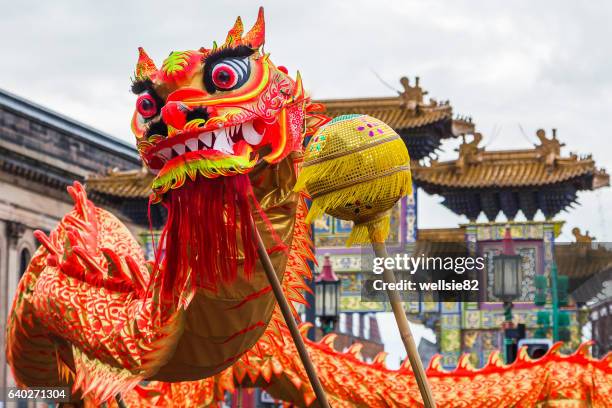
(222, 129)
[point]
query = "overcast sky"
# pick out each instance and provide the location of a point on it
(509, 65)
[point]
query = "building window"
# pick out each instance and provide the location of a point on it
(366, 326)
(342, 324)
(24, 261)
(355, 324)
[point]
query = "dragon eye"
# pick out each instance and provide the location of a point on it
(146, 106)
(224, 76)
(230, 73)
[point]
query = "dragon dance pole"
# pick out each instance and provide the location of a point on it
(356, 168)
(120, 402)
(289, 319)
(404, 329)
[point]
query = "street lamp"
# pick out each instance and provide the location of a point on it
(327, 293)
(507, 272)
(507, 284)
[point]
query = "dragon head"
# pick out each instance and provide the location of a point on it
(215, 112)
(206, 123)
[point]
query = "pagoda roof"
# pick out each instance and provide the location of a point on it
(422, 124)
(127, 192)
(477, 168)
(578, 260)
(509, 180)
(587, 263)
(441, 234)
(122, 184)
(391, 110)
(441, 242)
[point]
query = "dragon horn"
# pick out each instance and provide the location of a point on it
(257, 35)
(145, 67)
(234, 36)
(298, 91)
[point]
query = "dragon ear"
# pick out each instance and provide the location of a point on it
(234, 36)
(145, 67)
(257, 35)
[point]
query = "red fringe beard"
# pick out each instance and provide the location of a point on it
(209, 220)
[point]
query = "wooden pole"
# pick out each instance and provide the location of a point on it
(264, 258)
(405, 333)
(120, 402)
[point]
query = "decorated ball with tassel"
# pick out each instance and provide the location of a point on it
(356, 168)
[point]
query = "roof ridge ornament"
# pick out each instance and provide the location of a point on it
(585, 238)
(469, 152)
(412, 96)
(550, 149)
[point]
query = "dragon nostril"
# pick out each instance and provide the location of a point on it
(200, 112)
(157, 128)
(175, 114)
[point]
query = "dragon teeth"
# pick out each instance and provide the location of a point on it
(207, 139)
(179, 149)
(192, 144)
(250, 135)
(165, 153)
(222, 140)
(223, 143)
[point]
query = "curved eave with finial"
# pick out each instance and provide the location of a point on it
(511, 180)
(128, 192)
(422, 125)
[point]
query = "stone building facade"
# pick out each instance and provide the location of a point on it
(41, 152)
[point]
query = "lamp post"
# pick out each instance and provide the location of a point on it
(327, 293)
(507, 284)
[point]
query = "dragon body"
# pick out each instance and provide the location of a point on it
(555, 380)
(222, 129)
